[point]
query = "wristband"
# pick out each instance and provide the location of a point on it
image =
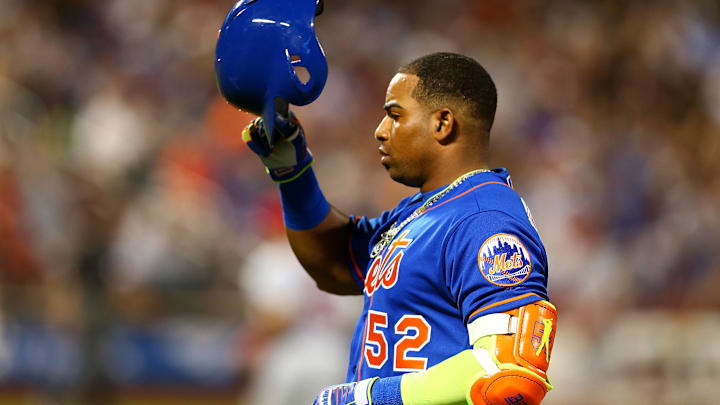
(386, 391)
(303, 204)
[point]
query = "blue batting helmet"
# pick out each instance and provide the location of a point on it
(258, 46)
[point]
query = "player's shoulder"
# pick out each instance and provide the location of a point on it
(491, 193)
(488, 205)
(490, 214)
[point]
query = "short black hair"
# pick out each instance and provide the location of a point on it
(448, 77)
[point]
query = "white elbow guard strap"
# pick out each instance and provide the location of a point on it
(514, 349)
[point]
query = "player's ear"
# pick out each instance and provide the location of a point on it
(443, 122)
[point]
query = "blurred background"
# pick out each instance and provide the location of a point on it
(142, 254)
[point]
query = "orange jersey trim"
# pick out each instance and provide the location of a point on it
(494, 304)
(465, 192)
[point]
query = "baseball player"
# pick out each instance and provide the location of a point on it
(454, 278)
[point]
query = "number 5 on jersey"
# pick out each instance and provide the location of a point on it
(415, 332)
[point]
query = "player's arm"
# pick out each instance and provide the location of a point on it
(323, 252)
(318, 233)
(504, 367)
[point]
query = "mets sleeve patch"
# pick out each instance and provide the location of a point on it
(504, 261)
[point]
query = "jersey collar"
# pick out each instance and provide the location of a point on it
(498, 174)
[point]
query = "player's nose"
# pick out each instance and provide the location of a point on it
(381, 132)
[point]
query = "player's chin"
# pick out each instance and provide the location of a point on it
(402, 177)
(392, 172)
(391, 168)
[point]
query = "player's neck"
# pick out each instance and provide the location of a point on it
(449, 174)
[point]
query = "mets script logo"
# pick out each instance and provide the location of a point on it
(504, 261)
(384, 269)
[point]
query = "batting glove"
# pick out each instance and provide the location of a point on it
(284, 153)
(356, 393)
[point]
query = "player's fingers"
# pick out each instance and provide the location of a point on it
(254, 136)
(250, 129)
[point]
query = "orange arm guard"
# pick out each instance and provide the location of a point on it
(519, 342)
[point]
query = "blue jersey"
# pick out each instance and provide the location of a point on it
(473, 252)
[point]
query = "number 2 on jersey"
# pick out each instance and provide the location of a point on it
(416, 331)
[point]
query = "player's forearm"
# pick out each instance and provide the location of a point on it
(323, 250)
(318, 234)
(447, 383)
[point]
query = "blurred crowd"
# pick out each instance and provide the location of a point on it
(142, 246)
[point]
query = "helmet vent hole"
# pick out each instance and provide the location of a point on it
(302, 74)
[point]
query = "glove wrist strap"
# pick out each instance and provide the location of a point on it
(283, 177)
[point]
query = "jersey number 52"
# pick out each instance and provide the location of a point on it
(416, 334)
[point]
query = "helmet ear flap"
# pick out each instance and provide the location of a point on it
(312, 58)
